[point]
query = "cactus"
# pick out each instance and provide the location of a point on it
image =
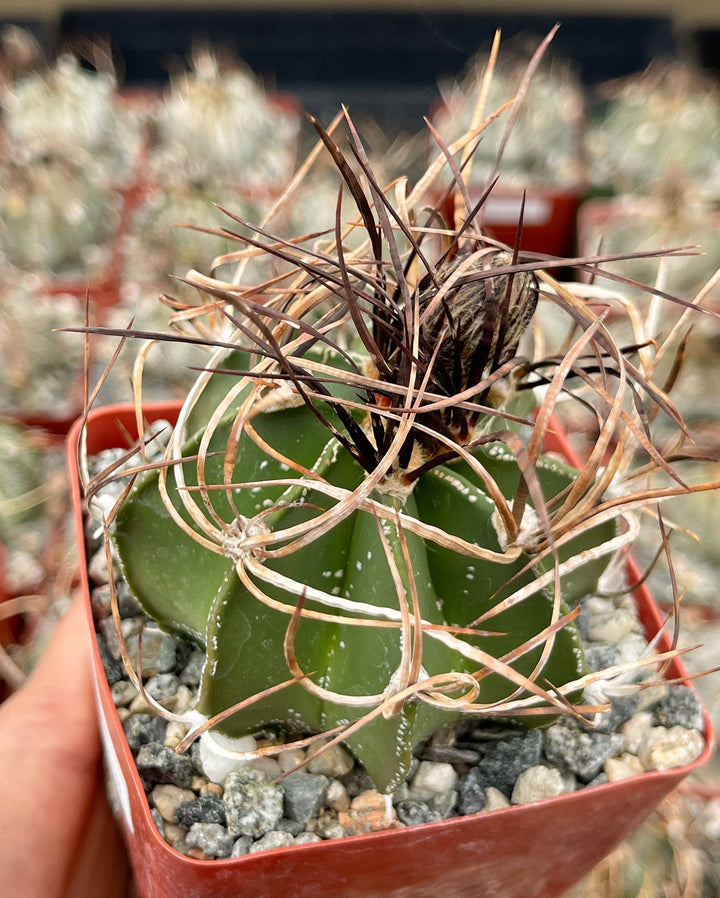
(352, 570)
(68, 111)
(218, 125)
(354, 517)
(542, 145)
(649, 139)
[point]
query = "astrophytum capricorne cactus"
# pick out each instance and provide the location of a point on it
(353, 516)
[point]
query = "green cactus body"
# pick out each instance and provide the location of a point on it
(198, 592)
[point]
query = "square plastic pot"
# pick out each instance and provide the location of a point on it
(536, 850)
(549, 217)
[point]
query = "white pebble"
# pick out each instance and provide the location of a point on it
(596, 605)
(537, 783)
(334, 762)
(612, 626)
(631, 648)
(123, 692)
(306, 838)
(267, 765)
(167, 799)
(666, 749)
(622, 768)
(290, 759)
(175, 733)
(184, 698)
(495, 799)
(337, 797)
(432, 777)
(635, 731)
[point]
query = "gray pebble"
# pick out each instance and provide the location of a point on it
(143, 728)
(500, 767)
(332, 830)
(97, 567)
(622, 708)
(444, 804)
(307, 838)
(253, 803)
(680, 707)
(153, 731)
(413, 813)
(208, 807)
(357, 781)
(273, 839)
(158, 652)
(401, 793)
(304, 795)
(158, 820)
(212, 838)
(107, 629)
(600, 656)
(132, 728)
(631, 648)
(294, 827)
(113, 667)
(602, 777)
(580, 751)
(158, 764)
(471, 792)
(183, 652)
(162, 686)
(101, 601)
(241, 846)
(192, 671)
(128, 605)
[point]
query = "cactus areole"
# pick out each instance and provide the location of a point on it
(350, 518)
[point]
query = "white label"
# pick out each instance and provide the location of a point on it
(119, 797)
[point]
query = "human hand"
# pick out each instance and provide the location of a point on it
(58, 838)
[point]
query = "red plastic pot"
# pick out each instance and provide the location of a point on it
(549, 217)
(537, 850)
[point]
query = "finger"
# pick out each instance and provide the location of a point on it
(49, 757)
(101, 868)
